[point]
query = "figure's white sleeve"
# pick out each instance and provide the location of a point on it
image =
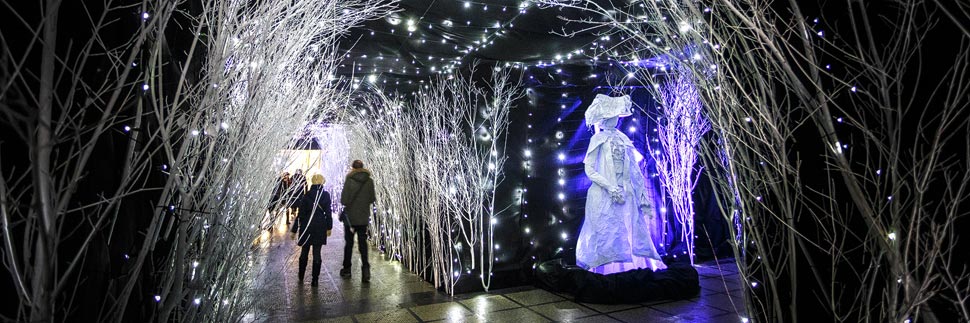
(590, 168)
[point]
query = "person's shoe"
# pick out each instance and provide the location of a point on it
(344, 272)
(313, 283)
(365, 276)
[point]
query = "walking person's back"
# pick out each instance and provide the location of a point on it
(313, 224)
(357, 196)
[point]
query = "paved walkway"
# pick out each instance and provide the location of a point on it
(396, 295)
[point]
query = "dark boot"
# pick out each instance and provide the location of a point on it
(316, 271)
(344, 272)
(365, 274)
(304, 255)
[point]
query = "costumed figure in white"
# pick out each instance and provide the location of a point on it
(615, 236)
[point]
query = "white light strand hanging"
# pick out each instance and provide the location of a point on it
(202, 130)
(437, 161)
(681, 126)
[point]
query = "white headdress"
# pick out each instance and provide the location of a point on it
(605, 107)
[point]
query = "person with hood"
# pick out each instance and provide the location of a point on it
(313, 224)
(356, 197)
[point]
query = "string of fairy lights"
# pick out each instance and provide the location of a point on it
(413, 25)
(604, 44)
(222, 157)
(597, 47)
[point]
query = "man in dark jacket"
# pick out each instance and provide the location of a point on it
(313, 224)
(357, 196)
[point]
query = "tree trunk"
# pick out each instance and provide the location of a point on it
(44, 246)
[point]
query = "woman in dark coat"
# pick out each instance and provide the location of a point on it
(313, 224)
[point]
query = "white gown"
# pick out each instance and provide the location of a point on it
(615, 237)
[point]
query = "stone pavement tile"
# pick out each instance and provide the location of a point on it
(720, 285)
(595, 319)
(606, 308)
(462, 319)
(563, 311)
(517, 315)
(707, 271)
(728, 318)
(432, 312)
(642, 314)
(688, 309)
(730, 304)
(488, 303)
(712, 290)
(730, 267)
(650, 303)
(736, 293)
(393, 316)
(342, 319)
(534, 297)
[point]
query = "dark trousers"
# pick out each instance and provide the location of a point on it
(304, 254)
(361, 232)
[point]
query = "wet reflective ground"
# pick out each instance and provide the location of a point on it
(396, 295)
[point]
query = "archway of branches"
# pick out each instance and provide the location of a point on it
(140, 138)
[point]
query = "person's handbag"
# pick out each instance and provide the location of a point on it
(343, 213)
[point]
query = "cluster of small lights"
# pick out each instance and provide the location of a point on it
(447, 65)
(413, 25)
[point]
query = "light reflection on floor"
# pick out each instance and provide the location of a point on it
(396, 295)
